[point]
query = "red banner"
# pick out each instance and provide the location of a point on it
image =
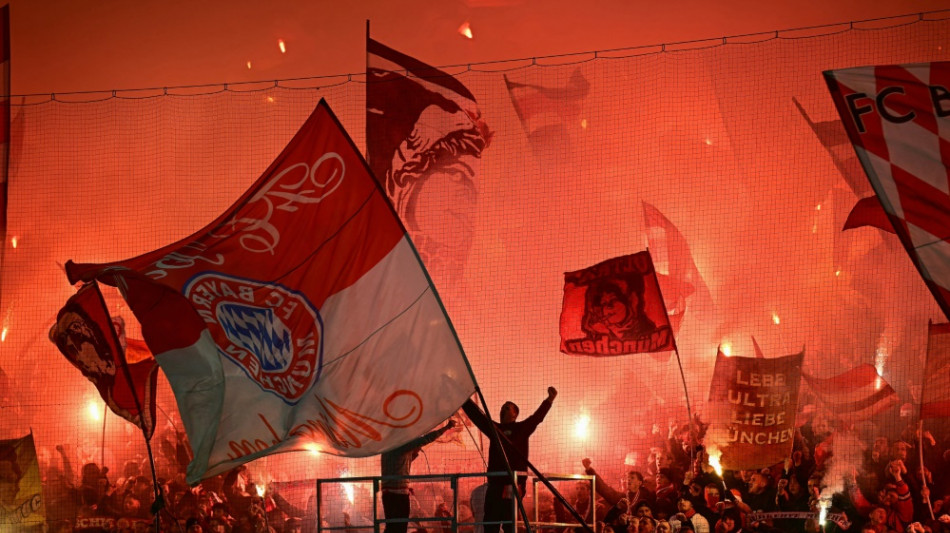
(85, 333)
(615, 308)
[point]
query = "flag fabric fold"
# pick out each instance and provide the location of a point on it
(682, 284)
(549, 115)
(858, 394)
(868, 212)
(896, 117)
(85, 334)
(935, 394)
(614, 308)
(300, 319)
(424, 138)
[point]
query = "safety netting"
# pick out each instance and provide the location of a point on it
(725, 157)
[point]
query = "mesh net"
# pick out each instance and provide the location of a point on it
(715, 136)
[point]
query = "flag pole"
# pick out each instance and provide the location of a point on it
(679, 362)
(159, 502)
(438, 299)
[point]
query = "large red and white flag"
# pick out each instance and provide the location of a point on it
(424, 141)
(935, 394)
(615, 308)
(86, 335)
(301, 318)
(858, 394)
(898, 119)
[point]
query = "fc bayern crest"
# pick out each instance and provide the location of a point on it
(273, 333)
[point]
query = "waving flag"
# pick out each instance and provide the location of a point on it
(835, 141)
(868, 212)
(897, 117)
(24, 508)
(424, 139)
(614, 308)
(683, 286)
(857, 394)
(300, 318)
(85, 334)
(549, 115)
(935, 395)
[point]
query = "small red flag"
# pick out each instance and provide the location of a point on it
(615, 308)
(84, 333)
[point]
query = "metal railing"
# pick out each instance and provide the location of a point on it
(378, 522)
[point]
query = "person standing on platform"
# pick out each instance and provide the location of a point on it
(398, 462)
(500, 498)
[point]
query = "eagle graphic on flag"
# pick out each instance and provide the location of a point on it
(614, 308)
(424, 138)
(299, 319)
(896, 117)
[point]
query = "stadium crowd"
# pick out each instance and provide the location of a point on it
(675, 491)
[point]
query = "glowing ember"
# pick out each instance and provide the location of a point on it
(582, 427)
(282, 46)
(3, 335)
(95, 413)
(818, 207)
(584, 123)
(726, 350)
(466, 30)
(13, 241)
(248, 65)
(313, 448)
(708, 141)
(261, 489)
(775, 319)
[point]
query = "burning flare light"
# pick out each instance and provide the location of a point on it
(466, 30)
(824, 503)
(714, 454)
(582, 427)
(282, 46)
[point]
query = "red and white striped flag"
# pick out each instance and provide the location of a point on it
(300, 319)
(858, 394)
(898, 119)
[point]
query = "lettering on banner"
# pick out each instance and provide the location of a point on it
(22, 512)
(340, 426)
(297, 184)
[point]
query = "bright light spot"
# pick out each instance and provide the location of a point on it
(95, 412)
(775, 319)
(270, 99)
(313, 448)
(348, 489)
(466, 30)
(838, 272)
(818, 207)
(261, 489)
(248, 65)
(714, 454)
(582, 427)
(824, 503)
(584, 123)
(3, 335)
(282, 46)
(726, 349)
(708, 141)
(13, 241)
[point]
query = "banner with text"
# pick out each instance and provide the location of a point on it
(753, 403)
